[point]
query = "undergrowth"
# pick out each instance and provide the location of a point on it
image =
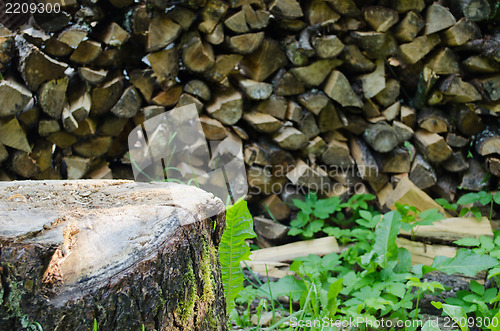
(373, 280)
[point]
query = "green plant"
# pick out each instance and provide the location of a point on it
(411, 218)
(482, 197)
(233, 249)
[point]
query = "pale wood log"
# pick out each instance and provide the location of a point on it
(457, 90)
(445, 62)
(263, 62)
(144, 81)
(315, 73)
(356, 61)
(73, 35)
(451, 229)
(474, 178)
(328, 47)
(276, 207)
(211, 14)
(285, 83)
(245, 43)
(216, 37)
(433, 120)
(381, 137)
(104, 97)
(414, 51)
(15, 97)
(168, 97)
(255, 90)
(129, 103)
(456, 162)
(269, 233)
(93, 147)
(237, 22)
(262, 122)
(290, 138)
(380, 18)
(13, 135)
(198, 88)
(76, 167)
(197, 55)
(227, 108)
(92, 76)
(256, 19)
(424, 253)
(337, 154)
(460, 33)
(433, 146)
(165, 63)
(187, 99)
(438, 18)
(374, 82)
(422, 173)
(396, 161)
(481, 64)
(389, 94)
(488, 141)
(318, 12)
(409, 27)
(367, 166)
(408, 115)
(162, 31)
(308, 125)
(339, 89)
(114, 35)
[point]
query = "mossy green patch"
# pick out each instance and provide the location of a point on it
(186, 308)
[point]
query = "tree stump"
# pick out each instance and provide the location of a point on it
(121, 253)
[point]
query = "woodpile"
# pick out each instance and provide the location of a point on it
(327, 95)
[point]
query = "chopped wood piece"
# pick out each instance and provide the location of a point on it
(36, 67)
(293, 112)
(187, 99)
(445, 63)
(408, 116)
(367, 166)
(424, 253)
(337, 154)
(381, 137)
(304, 175)
(182, 16)
(356, 61)
(329, 119)
(62, 139)
(396, 161)
(289, 9)
(165, 63)
(488, 141)
(290, 138)
(103, 172)
(481, 64)
(414, 51)
(277, 208)
(269, 232)
(345, 7)
(290, 252)
(493, 165)
(114, 35)
(129, 103)
(318, 11)
(162, 31)
(454, 140)
(308, 126)
(316, 146)
(23, 165)
(198, 88)
(6, 47)
(455, 163)
(104, 97)
(76, 167)
(380, 18)
(374, 82)
(256, 19)
(263, 62)
(432, 146)
(375, 44)
(112, 126)
(54, 47)
(422, 173)
(389, 94)
(474, 179)
(285, 83)
(460, 33)
(438, 18)
(73, 35)
(315, 73)
(93, 147)
(86, 52)
(15, 97)
(197, 55)
(224, 65)
(4, 155)
(392, 111)
(46, 127)
(237, 22)
(68, 121)
(433, 120)
(211, 14)
(245, 43)
(456, 90)
(169, 97)
(492, 87)
(92, 76)
(339, 89)
(52, 96)
(217, 36)
(467, 121)
(314, 102)
(402, 6)
(475, 10)
(408, 29)
(87, 127)
(327, 46)
(407, 193)
(12, 135)
(144, 81)
(213, 129)
(451, 229)
(403, 131)
(262, 122)
(227, 108)
(274, 105)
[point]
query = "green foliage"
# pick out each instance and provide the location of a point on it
(465, 262)
(456, 313)
(411, 218)
(233, 249)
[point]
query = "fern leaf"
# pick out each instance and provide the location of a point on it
(233, 249)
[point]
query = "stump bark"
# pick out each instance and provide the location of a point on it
(121, 253)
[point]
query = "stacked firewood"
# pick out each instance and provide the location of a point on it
(331, 95)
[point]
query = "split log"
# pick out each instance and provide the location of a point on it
(474, 179)
(93, 147)
(337, 154)
(438, 18)
(356, 61)
(433, 146)
(262, 122)
(36, 67)
(92, 76)
(15, 97)
(70, 273)
(276, 208)
(487, 141)
(367, 166)
(381, 137)
(475, 10)
(263, 62)
(47, 127)
(227, 108)
(285, 83)
(129, 103)
(389, 94)
(460, 33)
(290, 138)
(6, 47)
(274, 105)
(165, 63)
(445, 63)
(380, 18)
(455, 228)
(456, 162)
(13, 135)
(245, 43)
(327, 47)
(162, 31)
(114, 35)
(422, 173)
(396, 161)
(270, 233)
(467, 121)
(481, 64)
(23, 165)
(86, 52)
(414, 51)
(104, 97)
(315, 73)
(308, 126)
(198, 88)
(255, 90)
(52, 96)
(339, 89)
(424, 253)
(408, 116)
(376, 44)
(432, 120)
(456, 90)
(492, 87)
(455, 140)
(409, 27)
